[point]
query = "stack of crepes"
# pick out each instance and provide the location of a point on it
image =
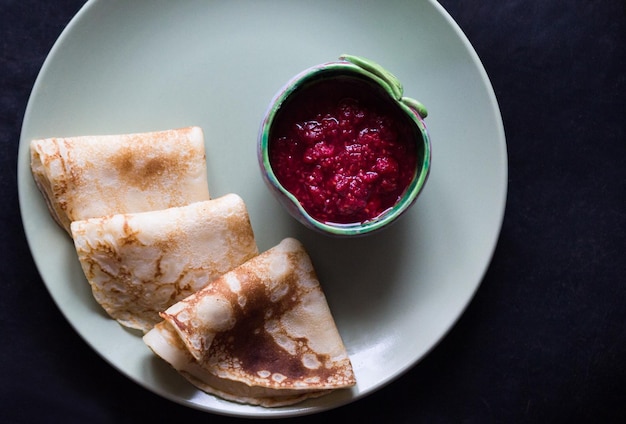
(165, 258)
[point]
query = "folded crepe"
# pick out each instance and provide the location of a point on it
(261, 334)
(140, 264)
(92, 176)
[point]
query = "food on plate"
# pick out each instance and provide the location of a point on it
(164, 258)
(343, 149)
(261, 334)
(342, 152)
(92, 176)
(139, 264)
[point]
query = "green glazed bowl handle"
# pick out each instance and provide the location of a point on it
(394, 86)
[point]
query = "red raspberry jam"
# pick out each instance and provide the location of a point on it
(344, 149)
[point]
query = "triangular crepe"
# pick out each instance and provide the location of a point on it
(92, 176)
(261, 334)
(140, 264)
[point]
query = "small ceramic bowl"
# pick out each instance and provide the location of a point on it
(371, 77)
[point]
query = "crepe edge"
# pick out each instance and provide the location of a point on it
(165, 343)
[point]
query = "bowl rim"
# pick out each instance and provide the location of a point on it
(406, 104)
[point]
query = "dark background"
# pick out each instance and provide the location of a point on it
(544, 340)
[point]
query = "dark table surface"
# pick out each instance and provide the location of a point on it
(544, 340)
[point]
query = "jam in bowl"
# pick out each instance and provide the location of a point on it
(342, 149)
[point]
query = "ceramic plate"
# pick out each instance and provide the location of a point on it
(132, 66)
